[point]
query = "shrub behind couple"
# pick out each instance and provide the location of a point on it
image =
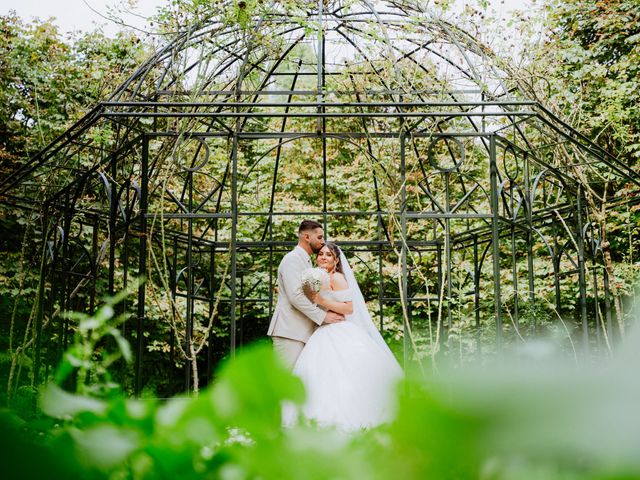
(330, 341)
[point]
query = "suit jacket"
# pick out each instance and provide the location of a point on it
(295, 317)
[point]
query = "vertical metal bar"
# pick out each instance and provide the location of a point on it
(211, 305)
(322, 121)
(270, 269)
(241, 326)
(529, 206)
(596, 303)
(40, 298)
(556, 269)
(514, 264)
(484, 119)
(476, 291)
(556, 257)
(142, 263)
(380, 277)
(447, 252)
(94, 265)
(607, 306)
(320, 64)
(189, 296)
(221, 280)
(53, 298)
(125, 262)
(64, 301)
(495, 238)
(113, 206)
(403, 253)
(234, 231)
(439, 288)
(581, 272)
(173, 285)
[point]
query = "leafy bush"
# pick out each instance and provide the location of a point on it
(531, 416)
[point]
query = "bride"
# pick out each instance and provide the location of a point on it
(347, 369)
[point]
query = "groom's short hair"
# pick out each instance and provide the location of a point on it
(307, 225)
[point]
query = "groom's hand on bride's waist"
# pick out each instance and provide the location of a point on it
(333, 317)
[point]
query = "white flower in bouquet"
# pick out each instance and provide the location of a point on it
(312, 279)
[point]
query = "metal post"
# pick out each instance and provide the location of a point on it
(189, 296)
(64, 301)
(142, 263)
(607, 306)
(495, 238)
(125, 261)
(271, 306)
(321, 122)
(528, 206)
(94, 265)
(447, 252)
(440, 286)
(514, 262)
(212, 300)
(40, 299)
(113, 206)
(596, 303)
(380, 277)
(241, 326)
(476, 291)
(403, 253)
(234, 231)
(173, 285)
(581, 272)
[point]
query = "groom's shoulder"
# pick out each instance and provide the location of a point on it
(290, 256)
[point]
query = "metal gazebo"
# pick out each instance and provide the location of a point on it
(461, 201)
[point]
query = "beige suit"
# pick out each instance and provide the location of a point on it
(295, 317)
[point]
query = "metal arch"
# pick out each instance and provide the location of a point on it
(427, 190)
(107, 188)
(279, 145)
(456, 164)
(202, 143)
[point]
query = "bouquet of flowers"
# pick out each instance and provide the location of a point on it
(312, 280)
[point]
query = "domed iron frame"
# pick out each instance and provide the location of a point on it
(532, 197)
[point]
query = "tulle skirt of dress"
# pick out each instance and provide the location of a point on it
(349, 379)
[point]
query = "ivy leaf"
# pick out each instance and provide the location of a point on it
(250, 391)
(105, 446)
(58, 403)
(123, 345)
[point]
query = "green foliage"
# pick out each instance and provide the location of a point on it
(529, 416)
(593, 60)
(47, 82)
(89, 364)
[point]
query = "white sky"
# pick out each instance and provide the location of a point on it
(85, 15)
(82, 15)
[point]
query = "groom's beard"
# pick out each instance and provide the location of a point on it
(316, 249)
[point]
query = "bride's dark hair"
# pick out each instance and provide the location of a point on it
(335, 251)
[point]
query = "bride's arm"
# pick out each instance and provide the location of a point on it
(338, 283)
(345, 308)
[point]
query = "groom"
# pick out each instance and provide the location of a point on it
(295, 317)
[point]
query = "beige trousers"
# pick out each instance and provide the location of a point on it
(288, 349)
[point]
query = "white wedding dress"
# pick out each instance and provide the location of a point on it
(349, 374)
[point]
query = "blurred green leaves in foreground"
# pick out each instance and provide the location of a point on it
(529, 416)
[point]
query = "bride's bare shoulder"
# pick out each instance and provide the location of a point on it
(338, 282)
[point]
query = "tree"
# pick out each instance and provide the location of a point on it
(47, 82)
(593, 55)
